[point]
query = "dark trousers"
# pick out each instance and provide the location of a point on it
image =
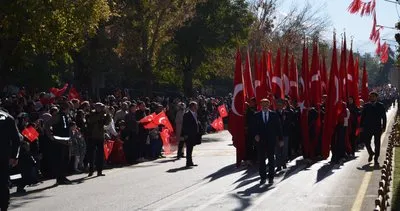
(4, 191)
(61, 161)
(189, 150)
(339, 147)
(98, 146)
(180, 148)
(353, 141)
(377, 141)
(262, 167)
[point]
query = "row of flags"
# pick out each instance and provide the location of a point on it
(275, 80)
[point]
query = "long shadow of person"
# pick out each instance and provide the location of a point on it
(174, 170)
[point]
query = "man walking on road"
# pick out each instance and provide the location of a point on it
(9, 150)
(268, 131)
(373, 123)
(191, 131)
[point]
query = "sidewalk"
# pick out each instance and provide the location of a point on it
(368, 191)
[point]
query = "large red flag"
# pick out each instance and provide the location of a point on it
(315, 92)
(108, 148)
(343, 72)
(331, 112)
(285, 74)
(277, 84)
(293, 76)
(269, 73)
(356, 82)
(148, 122)
(236, 115)
(248, 79)
(350, 75)
(222, 111)
(315, 98)
(364, 85)
(262, 92)
(304, 103)
(324, 78)
(162, 119)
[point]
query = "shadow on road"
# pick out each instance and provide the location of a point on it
(167, 160)
(324, 172)
(174, 170)
(245, 197)
(27, 199)
(368, 168)
(230, 169)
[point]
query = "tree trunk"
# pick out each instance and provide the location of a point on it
(188, 83)
(148, 71)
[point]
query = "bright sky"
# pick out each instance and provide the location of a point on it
(354, 25)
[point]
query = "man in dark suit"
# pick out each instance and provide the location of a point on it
(373, 123)
(268, 132)
(191, 131)
(9, 150)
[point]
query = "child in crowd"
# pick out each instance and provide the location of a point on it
(78, 147)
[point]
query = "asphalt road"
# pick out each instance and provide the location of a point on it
(215, 184)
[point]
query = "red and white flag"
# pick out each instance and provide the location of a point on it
(218, 124)
(293, 76)
(30, 133)
(285, 74)
(222, 111)
(332, 105)
(162, 119)
(364, 85)
(277, 84)
(236, 115)
(304, 103)
(248, 79)
(73, 94)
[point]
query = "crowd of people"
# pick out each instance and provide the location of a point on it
(72, 132)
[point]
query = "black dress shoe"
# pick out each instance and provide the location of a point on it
(279, 169)
(370, 157)
(90, 174)
(271, 181)
(284, 166)
(263, 181)
(99, 174)
(191, 164)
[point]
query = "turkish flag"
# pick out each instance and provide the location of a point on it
(350, 75)
(277, 84)
(108, 147)
(218, 124)
(385, 53)
(73, 94)
(324, 78)
(304, 103)
(236, 115)
(355, 91)
(257, 81)
(248, 79)
(293, 77)
(58, 92)
(162, 119)
(262, 90)
(147, 121)
(165, 137)
(315, 92)
(343, 72)
(117, 155)
(332, 104)
(30, 133)
(222, 111)
(364, 85)
(285, 74)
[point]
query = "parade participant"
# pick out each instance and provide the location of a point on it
(142, 132)
(268, 132)
(251, 155)
(9, 150)
(353, 124)
(178, 128)
(58, 132)
(96, 122)
(191, 131)
(285, 117)
(132, 127)
(373, 123)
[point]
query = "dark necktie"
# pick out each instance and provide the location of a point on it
(265, 118)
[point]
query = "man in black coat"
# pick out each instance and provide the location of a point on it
(268, 132)
(191, 131)
(9, 150)
(373, 123)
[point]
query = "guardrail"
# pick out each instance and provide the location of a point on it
(383, 200)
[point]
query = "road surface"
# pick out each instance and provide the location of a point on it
(215, 184)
